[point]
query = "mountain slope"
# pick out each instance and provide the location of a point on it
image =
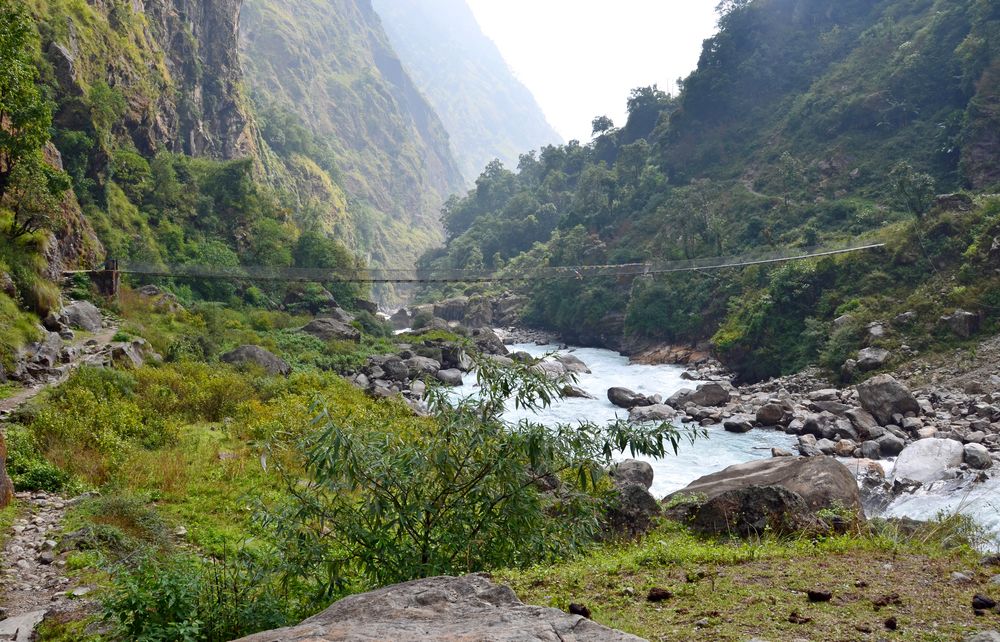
(487, 111)
(330, 63)
(805, 123)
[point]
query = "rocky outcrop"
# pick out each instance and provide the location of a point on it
(250, 354)
(442, 609)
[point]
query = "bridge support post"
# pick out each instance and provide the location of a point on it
(109, 279)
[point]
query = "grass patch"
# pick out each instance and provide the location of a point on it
(726, 590)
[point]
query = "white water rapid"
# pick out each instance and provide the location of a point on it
(721, 448)
(608, 369)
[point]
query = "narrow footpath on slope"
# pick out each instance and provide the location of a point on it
(33, 580)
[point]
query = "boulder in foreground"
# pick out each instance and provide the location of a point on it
(442, 608)
(782, 493)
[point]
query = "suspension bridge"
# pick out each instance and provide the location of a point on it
(109, 277)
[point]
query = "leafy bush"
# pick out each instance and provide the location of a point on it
(371, 505)
(182, 597)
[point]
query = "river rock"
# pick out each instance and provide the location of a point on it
(890, 445)
(400, 319)
(976, 456)
(884, 397)
(442, 609)
(551, 369)
(657, 412)
(738, 424)
(625, 398)
(271, 363)
(633, 471)
(820, 481)
(576, 392)
(328, 329)
(928, 460)
(710, 394)
(864, 423)
(449, 377)
(83, 315)
(418, 366)
(572, 363)
(772, 414)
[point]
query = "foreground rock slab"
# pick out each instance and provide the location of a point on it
(442, 608)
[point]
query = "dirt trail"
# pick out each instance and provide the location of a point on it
(33, 581)
(88, 348)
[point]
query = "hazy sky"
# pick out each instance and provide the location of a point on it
(582, 57)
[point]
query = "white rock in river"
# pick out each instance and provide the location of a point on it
(927, 460)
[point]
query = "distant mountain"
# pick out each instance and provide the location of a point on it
(487, 111)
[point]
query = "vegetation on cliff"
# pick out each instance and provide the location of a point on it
(803, 125)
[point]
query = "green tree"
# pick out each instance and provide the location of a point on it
(34, 195)
(25, 116)
(913, 191)
(601, 125)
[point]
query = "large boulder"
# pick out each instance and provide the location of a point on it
(452, 309)
(753, 510)
(329, 329)
(270, 362)
(488, 342)
(419, 366)
(773, 414)
(449, 377)
(400, 319)
(962, 323)
(83, 315)
(633, 512)
(820, 481)
(633, 471)
(705, 395)
(928, 460)
(977, 456)
(872, 358)
(657, 412)
(572, 364)
(442, 609)
(884, 397)
(625, 398)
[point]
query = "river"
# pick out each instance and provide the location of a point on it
(721, 449)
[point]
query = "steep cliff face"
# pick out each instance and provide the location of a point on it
(173, 62)
(200, 39)
(487, 111)
(330, 62)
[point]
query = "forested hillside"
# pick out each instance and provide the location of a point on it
(805, 123)
(486, 110)
(329, 66)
